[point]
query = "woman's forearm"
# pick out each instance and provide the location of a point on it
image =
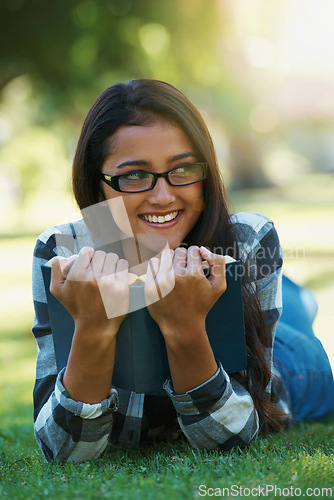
(90, 366)
(187, 297)
(190, 358)
(94, 289)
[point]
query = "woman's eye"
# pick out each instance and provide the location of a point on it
(183, 170)
(180, 170)
(135, 176)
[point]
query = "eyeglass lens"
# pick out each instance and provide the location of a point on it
(140, 181)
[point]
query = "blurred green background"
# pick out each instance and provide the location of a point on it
(260, 72)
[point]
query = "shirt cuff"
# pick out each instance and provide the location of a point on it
(201, 398)
(84, 410)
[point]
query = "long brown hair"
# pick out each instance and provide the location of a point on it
(141, 102)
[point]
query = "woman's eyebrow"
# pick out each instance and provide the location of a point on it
(182, 156)
(145, 163)
(134, 163)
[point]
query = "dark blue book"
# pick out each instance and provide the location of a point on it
(141, 363)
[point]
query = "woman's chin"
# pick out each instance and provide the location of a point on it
(154, 242)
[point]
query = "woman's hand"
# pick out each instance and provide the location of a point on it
(93, 286)
(179, 297)
(186, 295)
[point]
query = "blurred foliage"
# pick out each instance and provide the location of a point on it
(72, 49)
(58, 55)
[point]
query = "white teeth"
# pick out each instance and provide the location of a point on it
(160, 219)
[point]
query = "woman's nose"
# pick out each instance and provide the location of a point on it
(162, 193)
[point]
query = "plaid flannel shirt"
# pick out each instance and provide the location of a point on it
(219, 413)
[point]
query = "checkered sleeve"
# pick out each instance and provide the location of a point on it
(220, 413)
(64, 429)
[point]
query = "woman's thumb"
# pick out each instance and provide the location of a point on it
(60, 267)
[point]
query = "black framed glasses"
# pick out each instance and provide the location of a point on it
(140, 180)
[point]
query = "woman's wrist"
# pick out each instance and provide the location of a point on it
(92, 333)
(190, 357)
(182, 334)
(191, 369)
(89, 370)
(84, 386)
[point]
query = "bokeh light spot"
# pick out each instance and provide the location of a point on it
(263, 118)
(84, 51)
(120, 7)
(6, 128)
(154, 38)
(259, 52)
(85, 14)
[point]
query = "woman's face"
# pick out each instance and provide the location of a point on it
(155, 148)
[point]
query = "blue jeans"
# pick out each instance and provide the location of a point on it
(300, 358)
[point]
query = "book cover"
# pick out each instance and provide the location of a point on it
(141, 363)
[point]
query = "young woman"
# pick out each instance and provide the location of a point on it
(145, 144)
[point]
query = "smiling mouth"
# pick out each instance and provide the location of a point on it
(161, 219)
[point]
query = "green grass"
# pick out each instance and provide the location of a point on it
(302, 458)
